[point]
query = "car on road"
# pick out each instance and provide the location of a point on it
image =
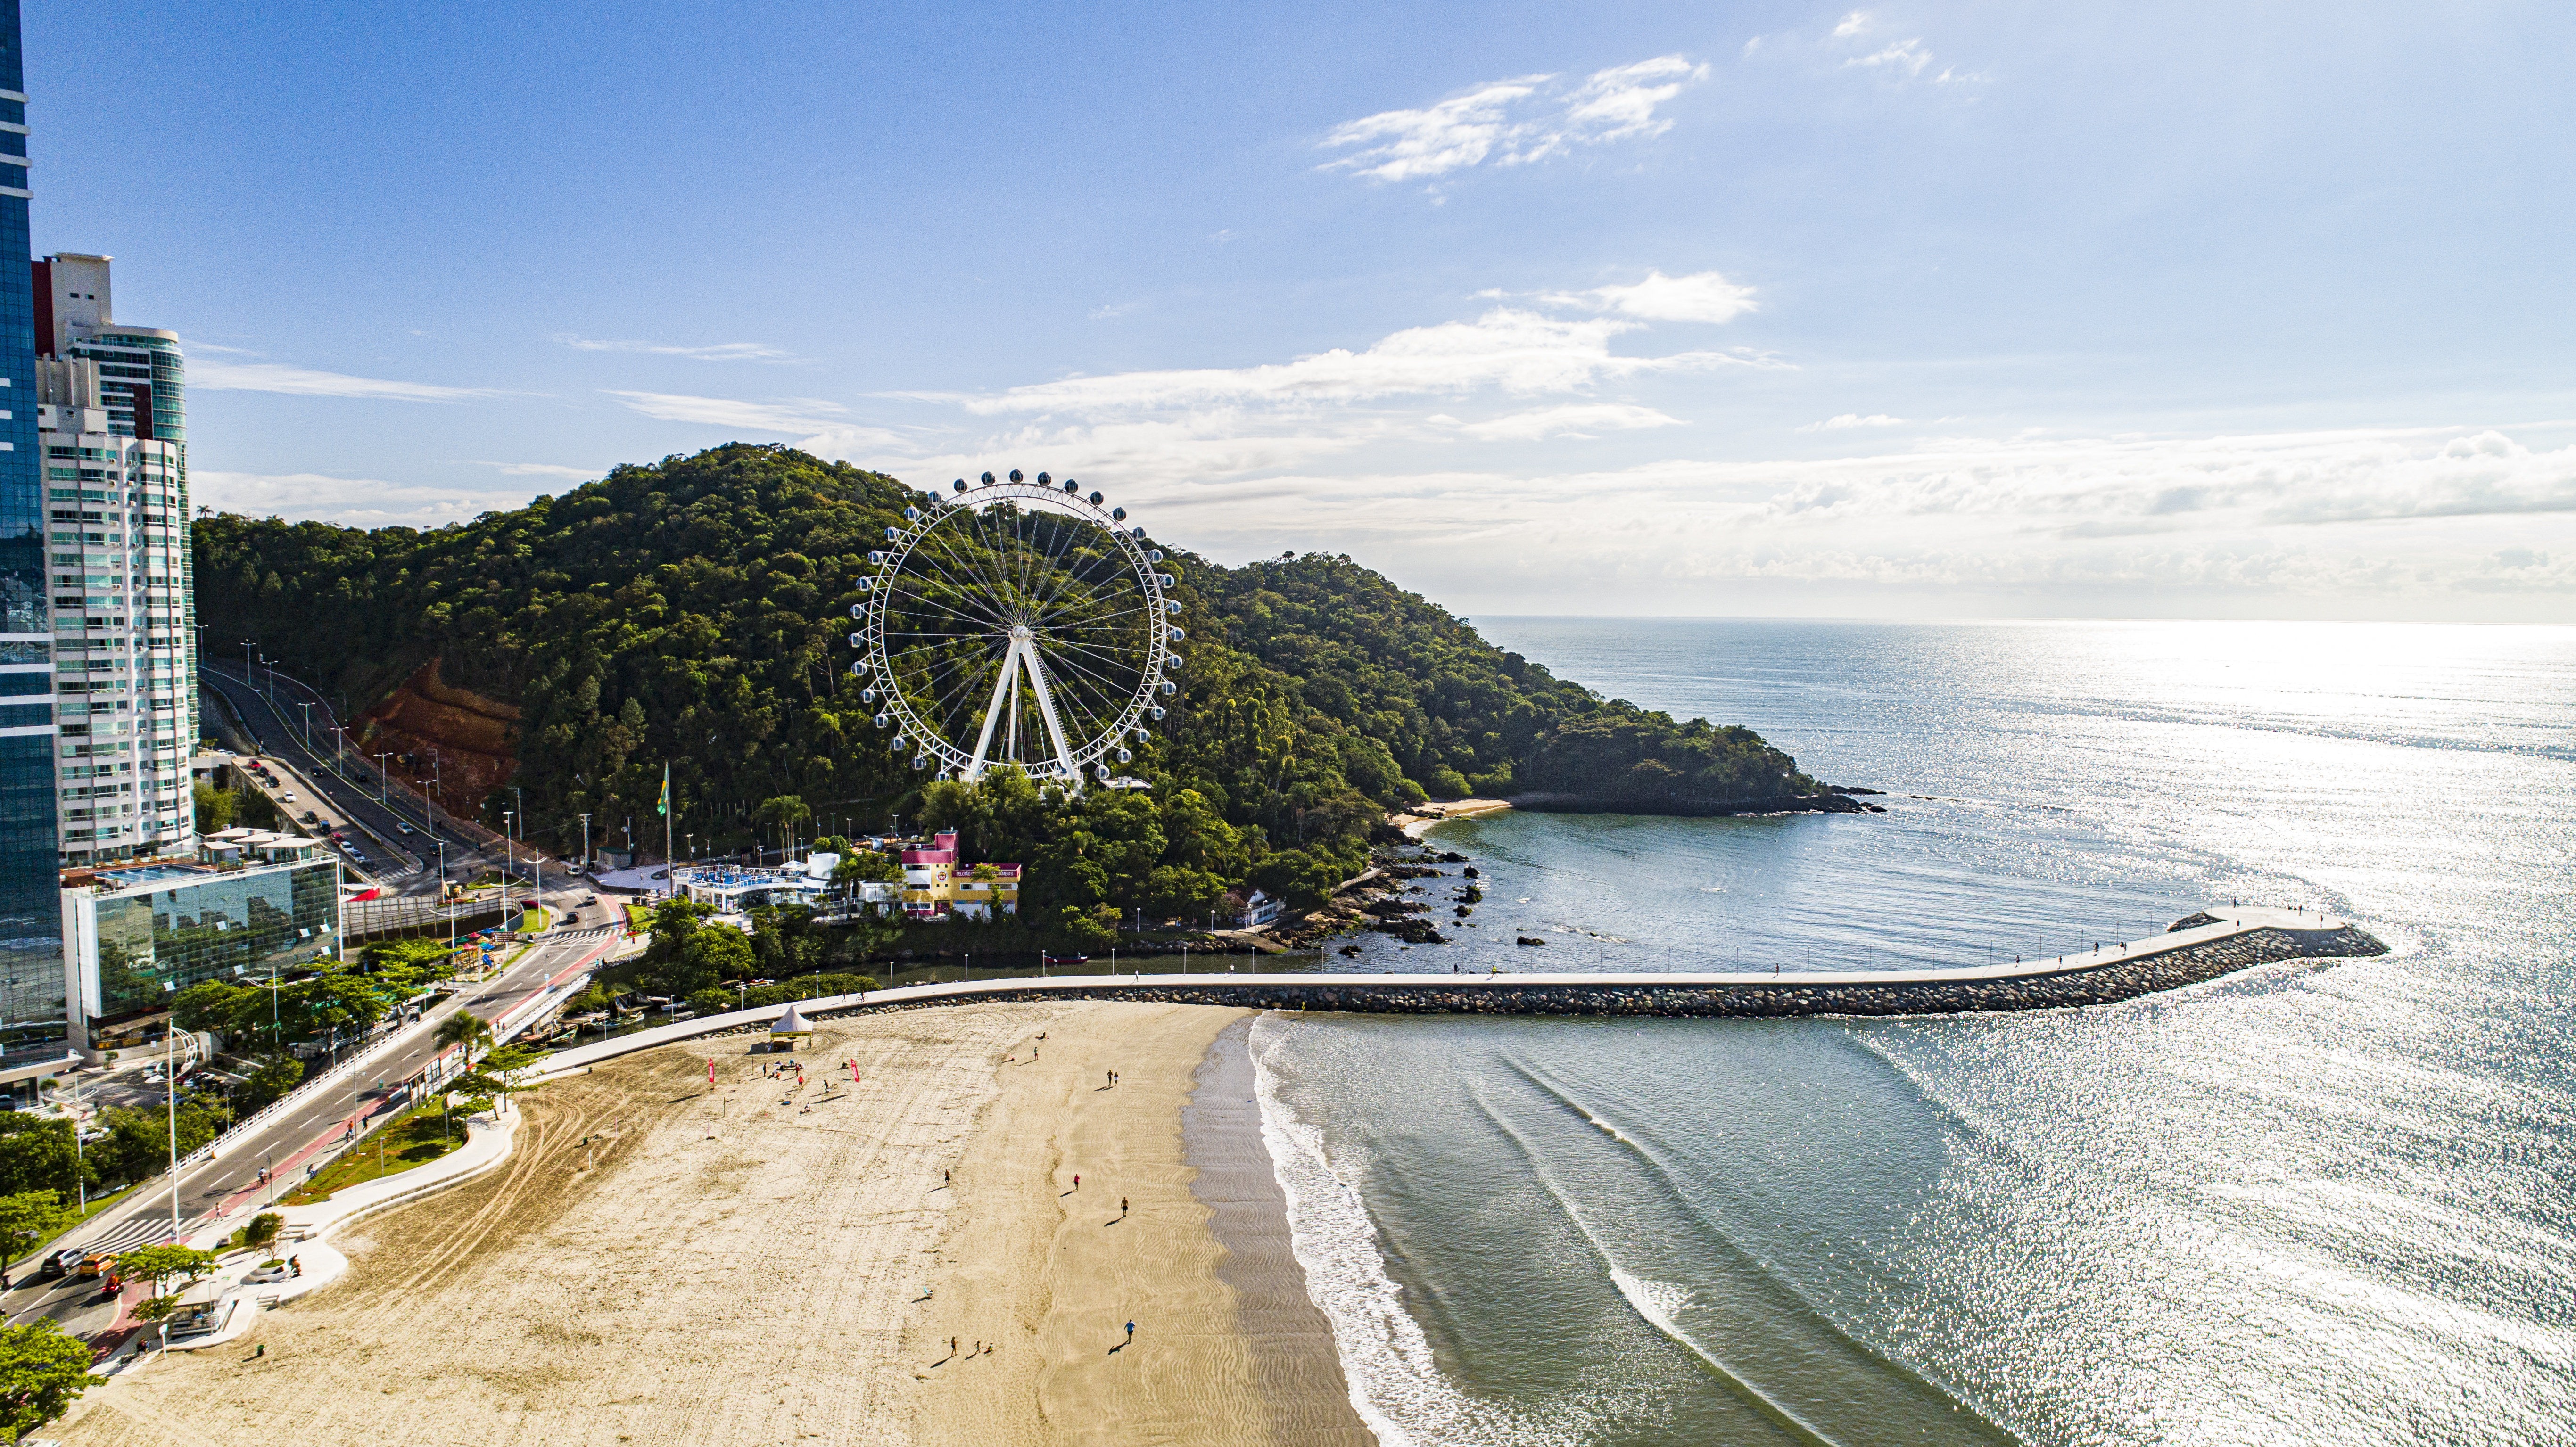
(402, 828)
(97, 1263)
(61, 1263)
(312, 818)
(287, 798)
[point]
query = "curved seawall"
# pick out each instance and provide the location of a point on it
(1924, 992)
(2197, 950)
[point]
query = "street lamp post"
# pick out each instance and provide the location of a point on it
(170, 1080)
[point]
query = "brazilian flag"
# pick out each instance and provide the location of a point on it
(665, 807)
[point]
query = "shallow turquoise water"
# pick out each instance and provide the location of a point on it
(2312, 1204)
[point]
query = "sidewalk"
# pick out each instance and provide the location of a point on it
(302, 1238)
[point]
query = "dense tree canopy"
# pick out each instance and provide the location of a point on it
(690, 613)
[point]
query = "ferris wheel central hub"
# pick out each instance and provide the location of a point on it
(1016, 625)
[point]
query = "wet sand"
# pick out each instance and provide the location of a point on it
(763, 1262)
(1295, 1364)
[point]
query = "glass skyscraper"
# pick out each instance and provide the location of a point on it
(32, 995)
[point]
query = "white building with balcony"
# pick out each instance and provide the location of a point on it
(112, 422)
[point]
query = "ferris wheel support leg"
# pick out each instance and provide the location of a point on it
(1046, 710)
(993, 711)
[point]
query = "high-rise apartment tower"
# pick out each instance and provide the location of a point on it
(112, 419)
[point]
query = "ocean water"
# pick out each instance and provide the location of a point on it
(2317, 1203)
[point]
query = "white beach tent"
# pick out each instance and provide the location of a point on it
(790, 1023)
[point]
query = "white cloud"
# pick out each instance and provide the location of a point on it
(1853, 419)
(349, 501)
(1579, 420)
(1111, 311)
(1167, 452)
(305, 382)
(788, 414)
(1853, 24)
(1705, 296)
(1905, 55)
(1513, 122)
(2457, 521)
(720, 352)
(546, 469)
(1512, 349)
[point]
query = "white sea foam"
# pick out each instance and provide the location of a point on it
(1394, 1384)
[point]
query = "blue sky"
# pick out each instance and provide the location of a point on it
(2011, 310)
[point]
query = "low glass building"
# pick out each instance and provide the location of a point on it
(134, 938)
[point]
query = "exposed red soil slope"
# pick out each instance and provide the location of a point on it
(465, 735)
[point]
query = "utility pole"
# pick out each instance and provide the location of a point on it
(507, 861)
(585, 841)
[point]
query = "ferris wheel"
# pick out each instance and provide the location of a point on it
(1016, 623)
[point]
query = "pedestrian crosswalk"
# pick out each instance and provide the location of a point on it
(140, 1230)
(592, 933)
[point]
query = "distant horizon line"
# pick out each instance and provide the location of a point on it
(1987, 621)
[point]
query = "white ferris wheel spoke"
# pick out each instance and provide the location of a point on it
(1046, 710)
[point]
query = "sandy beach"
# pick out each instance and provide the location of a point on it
(764, 1262)
(1417, 821)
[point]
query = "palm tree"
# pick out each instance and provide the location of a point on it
(471, 1031)
(467, 1029)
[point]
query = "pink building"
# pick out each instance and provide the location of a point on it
(936, 885)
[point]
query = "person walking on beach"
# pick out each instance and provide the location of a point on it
(1122, 1208)
(1077, 1180)
(1131, 1331)
(946, 1180)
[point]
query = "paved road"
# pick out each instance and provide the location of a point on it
(276, 720)
(294, 1137)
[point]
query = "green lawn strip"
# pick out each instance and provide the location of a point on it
(534, 918)
(412, 1139)
(638, 919)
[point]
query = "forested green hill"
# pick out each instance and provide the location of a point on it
(693, 612)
